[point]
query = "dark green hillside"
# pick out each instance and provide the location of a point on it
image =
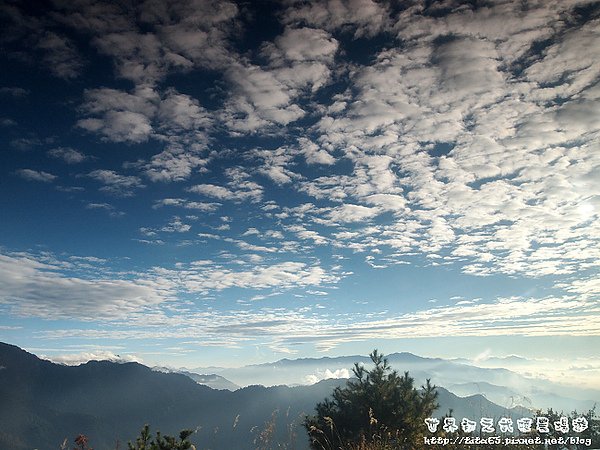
(44, 403)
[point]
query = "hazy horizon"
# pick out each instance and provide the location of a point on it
(534, 370)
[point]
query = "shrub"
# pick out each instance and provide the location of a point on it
(144, 441)
(380, 409)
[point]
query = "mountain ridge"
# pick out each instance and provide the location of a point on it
(44, 403)
(534, 392)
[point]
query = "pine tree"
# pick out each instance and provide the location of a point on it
(379, 406)
(145, 442)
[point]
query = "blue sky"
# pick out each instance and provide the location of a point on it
(203, 183)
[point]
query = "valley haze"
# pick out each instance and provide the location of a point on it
(504, 387)
(45, 403)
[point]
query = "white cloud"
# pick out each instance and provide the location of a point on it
(352, 213)
(470, 141)
(67, 154)
(13, 91)
(92, 16)
(178, 35)
(120, 126)
(276, 164)
(25, 143)
(76, 359)
(388, 202)
(176, 163)
(453, 138)
(173, 118)
(306, 234)
(360, 17)
(184, 203)
(327, 374)
(176, 226)
(195, 31)
(284, 275)
(138, 57)
(572, 62)
(141, 101)
(302, 44)
(281, 327)
(300, 60)
(314, 154)
(36, 175)
(468, 72)
(33, 288)
(61, 56)
(211, 190)
(183, 112)
(251, 247)
(586, 287)
(116, 184)
(259, 100)
(110, 209)
(508, 316)
(240, 191)
(6, 122)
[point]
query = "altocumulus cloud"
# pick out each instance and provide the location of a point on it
(356, 136)
(36, 175)
(30, 287)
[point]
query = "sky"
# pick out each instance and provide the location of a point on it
(198, 182)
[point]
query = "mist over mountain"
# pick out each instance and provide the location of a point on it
(44, 403)
(211, 380)
(499, 385)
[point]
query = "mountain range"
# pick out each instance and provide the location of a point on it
(499, 385)
(44, 403)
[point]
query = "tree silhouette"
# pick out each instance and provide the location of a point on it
(379, 406)
(145, 442)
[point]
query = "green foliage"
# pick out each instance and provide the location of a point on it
(380, 407)
(145, 441)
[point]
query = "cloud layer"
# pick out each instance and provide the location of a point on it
(267, 157)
